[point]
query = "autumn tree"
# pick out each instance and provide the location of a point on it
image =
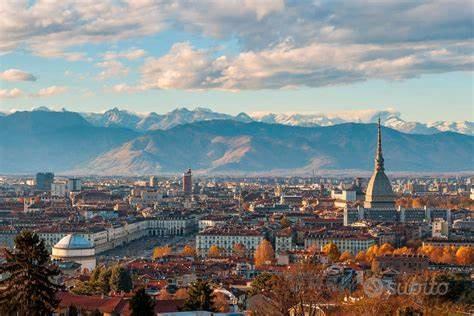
(188, 251)
(160, 252)
(264, 253)
(371, 253)
(220, 303)
(346, 256)
(331, 251)
(285, 222)
(360, 257)
(28, 287)
(239, 250)
(103, 282)
(465, 255)
(385, 249)
(142, 304)
(214, 252)
(261, 283)
(181, 294)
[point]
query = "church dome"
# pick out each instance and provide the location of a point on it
(379, 190)
(72, 241)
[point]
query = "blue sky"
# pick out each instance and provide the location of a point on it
(239, 56)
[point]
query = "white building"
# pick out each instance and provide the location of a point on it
(59, 189)
(226, 238)
(77, 249)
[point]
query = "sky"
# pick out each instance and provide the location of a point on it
(239, 56)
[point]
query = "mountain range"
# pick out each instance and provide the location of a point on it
(68, 142)
(153, 121)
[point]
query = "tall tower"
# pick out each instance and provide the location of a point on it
(187, 182)
(379, 190)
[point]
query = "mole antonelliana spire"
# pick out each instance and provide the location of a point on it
(379, 190)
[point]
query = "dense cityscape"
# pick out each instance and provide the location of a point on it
(248, 245)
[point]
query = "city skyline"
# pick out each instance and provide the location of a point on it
(155, 56)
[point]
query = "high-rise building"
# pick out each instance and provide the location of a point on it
(187, 182)
(58, 189)
(153, 182)
(379, 192)
(74, 185)
(44, 180)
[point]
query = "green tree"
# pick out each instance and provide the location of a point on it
(261, 283)
(142, 304)
(103, 282)
(120, 279)
(28, 288)
(94, 277)
(200, 297)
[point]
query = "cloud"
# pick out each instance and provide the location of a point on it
(16, 75)
(124, 88)
(314, 65)
(10, 94)
(50, 91)
(130, 54)
(281, 43)
(112, 68)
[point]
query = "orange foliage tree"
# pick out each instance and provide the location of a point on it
(214, 251)
(465, 255)
(264, 253)
(331, 251)
(239, 250)
(188, 251)
(160, 252)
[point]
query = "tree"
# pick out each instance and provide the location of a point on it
(214, 252)
(346, 256)
(465, 255)
(261, 283)
(220, 303)
(284, 222)
(72, 311)
(331, 251)
(371, 253)
(360, 257)
(264, 253)
(239, 250)
(94, 277)
(28, 288)
(200, 297)
(181, 294)
(142, 304)
(103, 282)
(385, 249)
(120, 279)
(165, 295)
(188, 251)
(160, 252)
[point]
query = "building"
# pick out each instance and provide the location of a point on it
(351, 241)
(153, 181)
(44, 180)
(440, 229)
(76, 249)
(403, 263)
(226, 237)
(74, 185)
(379, 192)
(379, 204)
(58, 189)
(284, 240)
(187, 183)
(343, 197)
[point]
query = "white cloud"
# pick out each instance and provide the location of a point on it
(124, 88)
(286, 65)
(10, 94)
(130, 54)
(50, 91)
(16, 75)
(112, 68)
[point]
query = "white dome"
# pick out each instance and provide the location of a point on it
(73, 242)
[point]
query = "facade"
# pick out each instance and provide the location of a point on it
(44, 180)
(226, 238)
(187, 183)
(352, 242)
(400, 263)
(283, 240)
(58, 189)
(74, 185)
(76, 249)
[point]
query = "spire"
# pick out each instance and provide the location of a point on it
(378, 156)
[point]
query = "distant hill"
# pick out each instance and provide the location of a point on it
(66, 142)
(40, 140)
